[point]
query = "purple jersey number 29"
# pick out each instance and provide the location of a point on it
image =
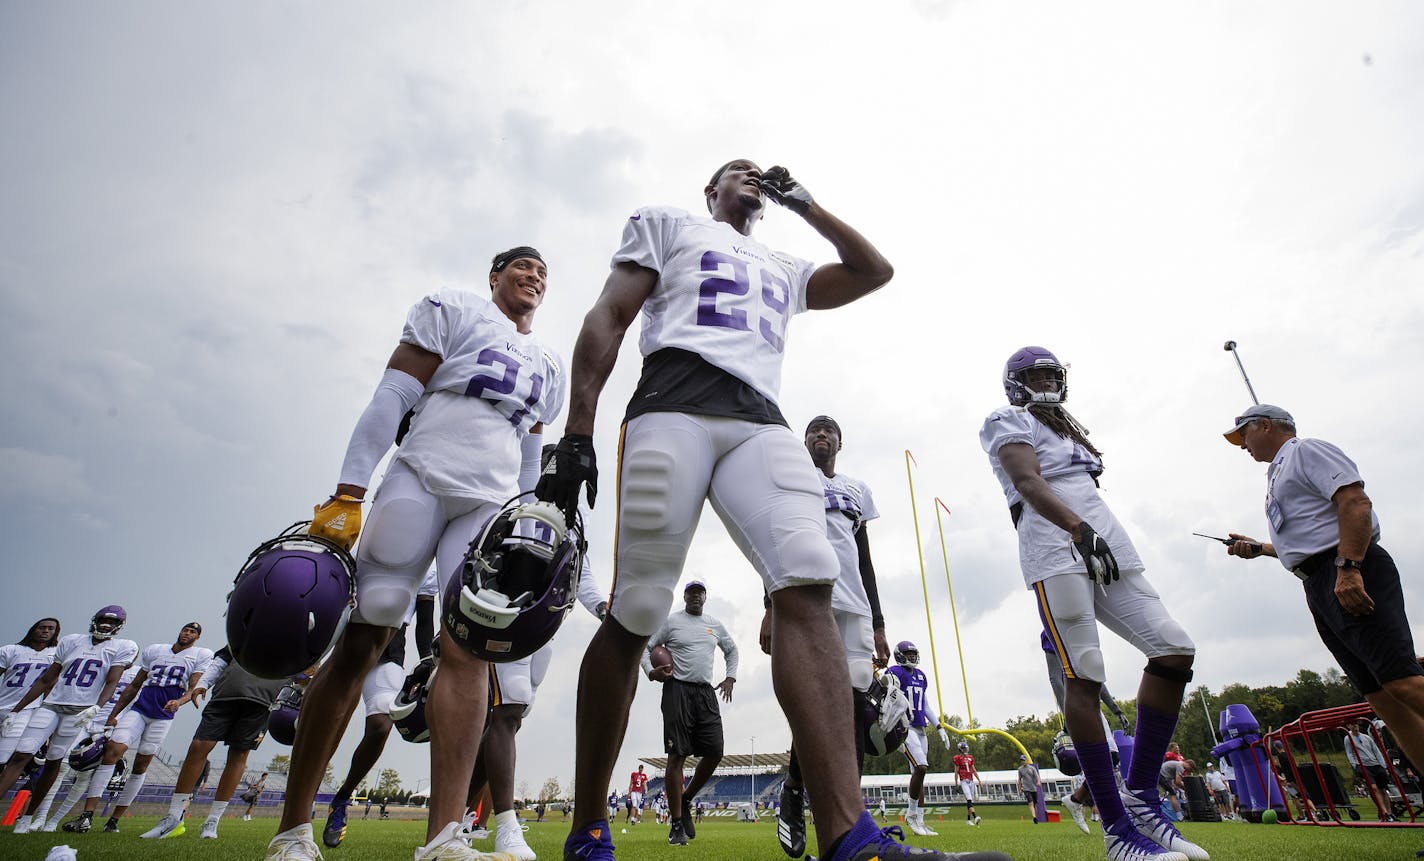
(732, 285)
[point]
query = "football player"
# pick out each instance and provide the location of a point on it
(378, 694)
(166, 678)
(21, 663)
(80, 788)
(474, 386)
(968, 780)
(915, 686)
(703, 424)
(1082, 567)
(855, 602)
(83, 675)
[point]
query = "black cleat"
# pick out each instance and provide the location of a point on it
(791, 821)
(676, 836)
(79, 825)
(112, 826)
(687, 827)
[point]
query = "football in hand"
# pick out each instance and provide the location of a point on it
(661, 657)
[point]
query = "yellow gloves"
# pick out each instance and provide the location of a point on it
(337, 520)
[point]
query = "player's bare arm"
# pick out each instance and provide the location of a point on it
(596, 351)
(126, 697)
(1021, 465)
(111, 682)
(861, 271)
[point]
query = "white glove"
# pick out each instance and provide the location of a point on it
(944, 737)
(86, 715)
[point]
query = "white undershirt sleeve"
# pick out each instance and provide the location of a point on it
(376, 429)
(529, 449)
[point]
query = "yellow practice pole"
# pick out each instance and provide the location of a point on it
(953, 613)
(924, 584)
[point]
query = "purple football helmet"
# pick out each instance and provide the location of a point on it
(87, 755)
(1033, 358)
(107, 622)
(289, 603)
(516, 584)
(887, 716)
(282, 721)
(408, 710)
(907, 654)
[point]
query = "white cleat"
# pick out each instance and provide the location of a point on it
(167, 825)
(915, 826)
(925, 829)
(295, 844)
(479, 833)
(453, 844)
(210, 829)
(22, 825)
(1128, 845)
(49, 827)
(511, 841)
(1075, 810)
(1147, 817)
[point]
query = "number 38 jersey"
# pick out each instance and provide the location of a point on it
(492, 386)
(21, 665)
(85, 664)
(1045, 550)
(167, 679)
(721, 295)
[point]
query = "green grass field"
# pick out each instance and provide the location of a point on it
(1001, 829)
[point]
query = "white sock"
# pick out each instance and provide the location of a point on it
(78, 790)
(216, 811)
(99, 780)
(180, 801)
(506, 820)
(914, 806)
(130, 790)
(299, 832)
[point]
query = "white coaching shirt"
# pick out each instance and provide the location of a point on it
(492, 386)
(720, 294)
(849, 506)
(85, 667)
(1044, 549)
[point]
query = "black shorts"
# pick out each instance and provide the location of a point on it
(1371, 649)
(692, 723)
(239, 724)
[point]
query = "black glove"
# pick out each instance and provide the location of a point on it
(1097, 556)
(572, 464)
(777, 184)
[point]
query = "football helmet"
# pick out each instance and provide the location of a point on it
(963, 746)
(408, 710)
(1016, 384)
(907, 654)
(1065, 756)
(107, 622)
(887, 715)
(89, 753)
(516, 583)
(282, 722)
(289, 603)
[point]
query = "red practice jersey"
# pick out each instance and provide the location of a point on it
(638, 782)
(964, 765)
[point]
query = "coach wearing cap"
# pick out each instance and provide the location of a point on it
(1324, 530)
(692, 723)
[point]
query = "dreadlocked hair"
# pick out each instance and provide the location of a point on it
(1058, 420)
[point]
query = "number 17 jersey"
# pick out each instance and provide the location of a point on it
(721, 295)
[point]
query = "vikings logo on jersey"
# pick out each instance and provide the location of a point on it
(840, 500)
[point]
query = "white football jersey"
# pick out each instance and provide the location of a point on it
(85, 667)
(21, 665)
(168, 675)
(849, 506)
(1046, 550)
(492, 386)
(720, 294)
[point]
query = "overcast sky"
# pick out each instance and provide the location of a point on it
(214, 217)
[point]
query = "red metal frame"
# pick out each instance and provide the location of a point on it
(1330, 720)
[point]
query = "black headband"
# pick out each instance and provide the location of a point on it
(504, 258)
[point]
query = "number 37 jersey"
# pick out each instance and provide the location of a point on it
(492, 386)
(720, 294)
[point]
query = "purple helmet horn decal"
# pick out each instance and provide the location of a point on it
(87, 755)
(289, 603)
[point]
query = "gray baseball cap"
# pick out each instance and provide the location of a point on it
(1259, 411)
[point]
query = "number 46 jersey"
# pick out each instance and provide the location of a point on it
(85, 664)
(493, 384)
(719, 294)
